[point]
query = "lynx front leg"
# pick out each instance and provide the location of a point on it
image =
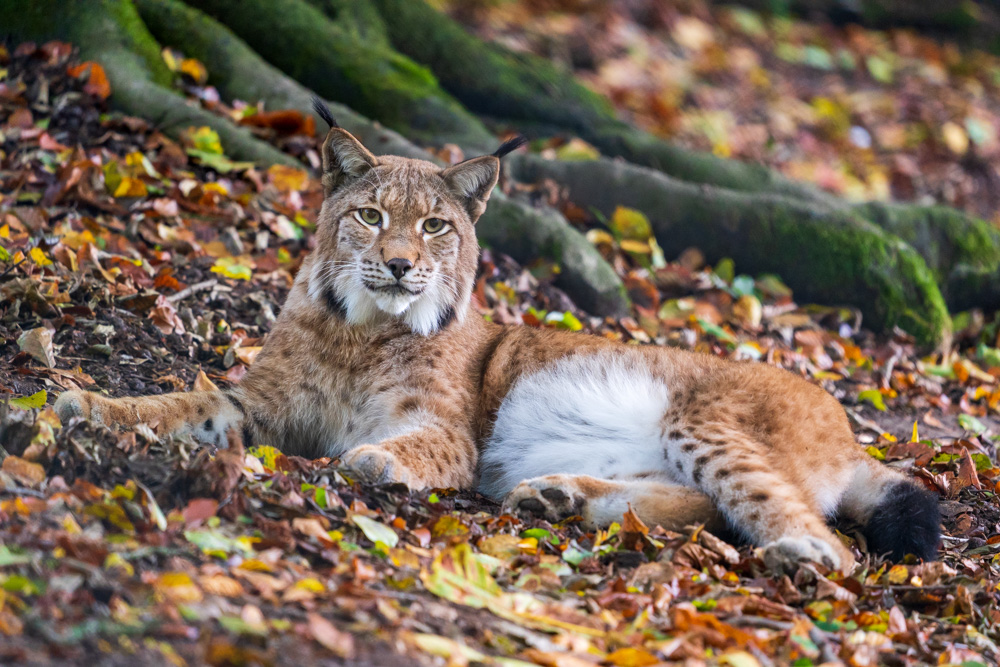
(205, 415)
(429, 457)
(601, 501)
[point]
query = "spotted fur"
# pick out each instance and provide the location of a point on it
(378, 358)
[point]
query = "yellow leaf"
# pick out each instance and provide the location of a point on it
(631, 657)
(288, 179)
(310, 584)
(130, 187)
(638, 247)
(177, 587)
(955, 138)
(739, 659)
(218, 188)
(115, 561)
(39, 258)
(898, 574)
(195, 70)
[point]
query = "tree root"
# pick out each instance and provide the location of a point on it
(830, 256)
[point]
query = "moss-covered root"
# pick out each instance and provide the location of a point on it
(825, 256)
(963, 252)
(239, 73)
(111, 33)
(526, 233)
(335, 59)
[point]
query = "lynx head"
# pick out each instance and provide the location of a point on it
(396, 236)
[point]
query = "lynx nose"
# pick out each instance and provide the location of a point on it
(399, 266)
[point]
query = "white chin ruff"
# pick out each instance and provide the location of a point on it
(394, 304)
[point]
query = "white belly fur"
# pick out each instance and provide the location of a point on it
(599, 414)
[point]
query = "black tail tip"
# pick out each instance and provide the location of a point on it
(509, 145)
(906, 521)
(320, 107)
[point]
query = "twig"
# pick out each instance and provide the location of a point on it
(826, 652)
(192, 289)
(11, 268)
(864, 422)
(22, 491)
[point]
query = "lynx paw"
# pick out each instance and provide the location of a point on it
(784, 555)
(374, 465)
(553, 497)
(75, 403)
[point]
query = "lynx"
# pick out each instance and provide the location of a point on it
(378, 358)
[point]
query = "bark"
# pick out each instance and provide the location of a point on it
(828, 256)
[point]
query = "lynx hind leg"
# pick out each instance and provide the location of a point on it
(757, 499)
(204, 415)
(602, 501)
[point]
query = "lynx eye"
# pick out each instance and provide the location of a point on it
(369, 216)
(433, 225)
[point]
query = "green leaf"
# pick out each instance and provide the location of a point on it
(32, 402)
(880, 69)
(874, 397)
(628, 223)
(970, 423)
(717, 331)
(219, 163)
(231, 267)
(726, 270)
(376, 531)
(216, 543)
(8, 557)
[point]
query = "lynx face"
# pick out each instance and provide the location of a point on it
(396, 236)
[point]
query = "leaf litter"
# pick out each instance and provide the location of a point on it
(170, 552)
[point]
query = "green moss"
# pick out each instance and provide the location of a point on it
(962, 251)
(97, 27)
(825, 256)
(336, 61)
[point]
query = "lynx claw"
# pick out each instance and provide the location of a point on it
(784, 555)
(374, 465)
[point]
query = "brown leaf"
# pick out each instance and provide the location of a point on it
(323, 631)
(967, 475)
(38, 343)
(25, 472)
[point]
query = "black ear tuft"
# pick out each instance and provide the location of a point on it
(509, 145)
(320, 107)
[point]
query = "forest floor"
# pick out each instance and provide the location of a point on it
(141, 265)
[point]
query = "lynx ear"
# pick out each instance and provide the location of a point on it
(473, 181)
(344, 159)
